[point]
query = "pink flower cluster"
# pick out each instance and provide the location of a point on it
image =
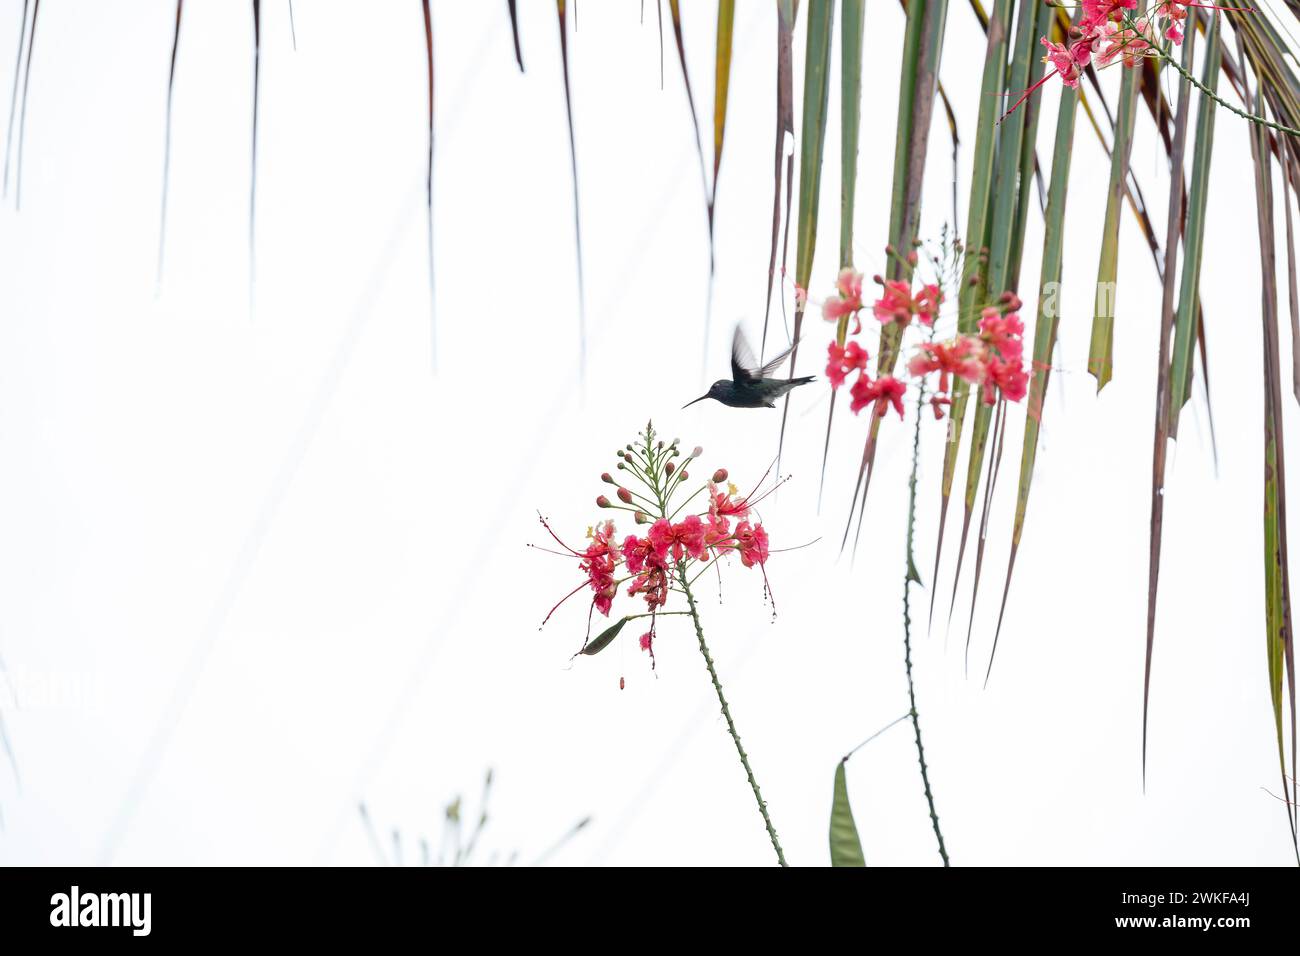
(716, 521)
(897, 305)
(993, 359)
(1105, 32)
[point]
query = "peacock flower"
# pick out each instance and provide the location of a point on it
(844, 360)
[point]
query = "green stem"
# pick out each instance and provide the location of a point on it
(907, 622)
(726, 713)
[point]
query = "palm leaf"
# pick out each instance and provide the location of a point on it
(1100, 359)
(22, 114)
(167, 138)
(816, 93)
(428, 182)
(990, 105)
(577, 214)
(1277, 586)
(918, 83)
(1161, 439)
(1045, 328)
(784, 127)
(851, 30)
(511, 6)
(13, 95)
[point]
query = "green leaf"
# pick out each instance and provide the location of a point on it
(577, 216)
(1180, 373)
(846, 848)
(816, 92)
(986, 138)
(1100, 358)
(784, 127)
(1045, 328)
(604, 638)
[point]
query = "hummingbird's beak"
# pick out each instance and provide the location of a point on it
(700, 399)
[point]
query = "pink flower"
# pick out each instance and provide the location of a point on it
(884, 391)
(690, 533)
(636, 551)
(843, 361)
(961, 357)
(1003, 332)
(646, 638)
(848, 298)
(598, 563)
(1126, 42)
(1096, 13)
(927, 303)
(718, 531)
(1063, 61)
(1009, 378)
(937, 402)
(724, 502)
(896, 303)
(751, 542)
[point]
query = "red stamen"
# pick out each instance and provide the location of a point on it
(557, 537)
(1026, 94)
(562, 600)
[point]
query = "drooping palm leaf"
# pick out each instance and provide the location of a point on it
(1161, 438)
(1277, 586)
(1016, 152)
(851, 30)
(999, 242)
(252, 179)
(816, 93)
(22, 113)
(13, 95)
(992, 85)
(918, 84)
(577, 215)
(428, 183)
(167, 138)
(1100, 358)
(511, 6)
(784, 128)
(1045, 329)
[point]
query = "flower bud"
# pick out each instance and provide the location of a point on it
(621, 466)
(890, 250)
(625, 496)
(606, 478)
(1011, 301)
(602, 502)
(720, 476)
(697, 451)
(670, 468)
(878, 279)
(912, 258)
(641, 518)
(685, 474)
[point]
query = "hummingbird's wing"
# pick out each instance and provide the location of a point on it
(744, 367)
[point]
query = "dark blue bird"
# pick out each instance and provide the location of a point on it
(749, 386)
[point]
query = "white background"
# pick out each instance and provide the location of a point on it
(259, 562)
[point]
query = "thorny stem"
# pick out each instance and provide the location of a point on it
(1244, 114)
(907, 622)
(731, 726)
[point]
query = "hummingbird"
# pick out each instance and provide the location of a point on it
(749, 386)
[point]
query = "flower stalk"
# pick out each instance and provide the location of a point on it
(726, 713)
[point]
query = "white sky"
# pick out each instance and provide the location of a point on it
(256, 566)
